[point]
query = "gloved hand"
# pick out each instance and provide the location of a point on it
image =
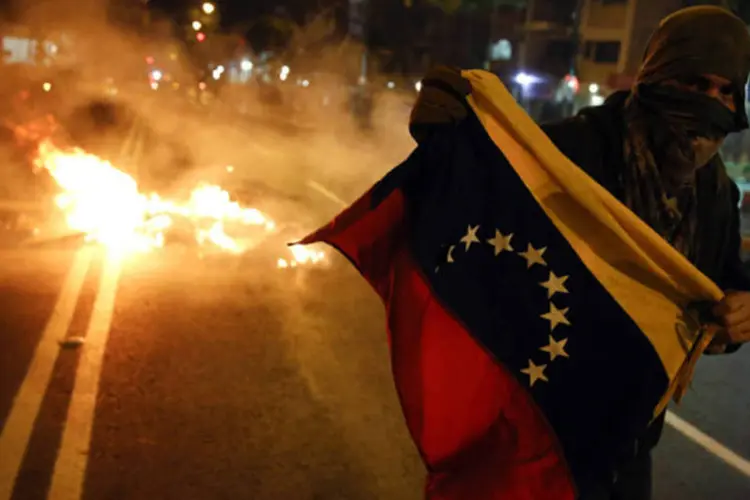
(441, 102)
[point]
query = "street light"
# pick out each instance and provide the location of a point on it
(208, 8)
(525, 79)
(197, 25)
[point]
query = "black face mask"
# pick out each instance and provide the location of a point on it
(698, 114)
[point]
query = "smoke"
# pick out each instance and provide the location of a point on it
(276, 134)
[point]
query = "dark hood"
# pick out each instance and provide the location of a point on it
(697, 41)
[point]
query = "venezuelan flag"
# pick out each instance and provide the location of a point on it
(536, 325)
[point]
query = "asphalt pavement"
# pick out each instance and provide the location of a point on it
(222, 378)
(214, 376)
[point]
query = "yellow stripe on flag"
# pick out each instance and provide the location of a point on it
(647, 277)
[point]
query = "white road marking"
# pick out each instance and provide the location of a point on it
(72, 458)
(709, 444)
(327, 193)
(16, 433)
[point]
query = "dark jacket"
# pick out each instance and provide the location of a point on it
(593, 140)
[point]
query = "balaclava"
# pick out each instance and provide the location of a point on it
(662, 120)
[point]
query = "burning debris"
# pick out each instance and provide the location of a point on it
(301, 255)
(105, 205)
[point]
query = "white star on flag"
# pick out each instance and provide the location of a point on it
(470, 236)
(533, 256)
(535, 373)
(556, 316)
(555, 284)
(555, 348)
(449, 256)
(501, 242)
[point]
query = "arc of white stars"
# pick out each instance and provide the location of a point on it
(471, 236)
(555, 284)
(556, 316)
(533, 256)
(501, 242)
(535, 373)
(555, 348)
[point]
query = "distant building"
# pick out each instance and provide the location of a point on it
(614, 35)
(21, 45)
(548, 43)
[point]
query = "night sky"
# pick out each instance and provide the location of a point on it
(239, 11)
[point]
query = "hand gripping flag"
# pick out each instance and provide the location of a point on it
(536, 325)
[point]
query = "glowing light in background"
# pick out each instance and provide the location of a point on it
(197, 25)
(594, 97)
(208, 8)
(573, 83)
(526, 79)
(46, 86)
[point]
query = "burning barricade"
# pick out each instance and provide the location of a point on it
(104, 205)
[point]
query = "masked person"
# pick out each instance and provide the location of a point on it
(656, 148)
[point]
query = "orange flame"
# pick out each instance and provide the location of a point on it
(105, 204)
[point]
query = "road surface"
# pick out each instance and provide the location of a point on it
(224, 377)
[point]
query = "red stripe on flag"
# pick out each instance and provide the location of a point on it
(478, 430)
(368, 237)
